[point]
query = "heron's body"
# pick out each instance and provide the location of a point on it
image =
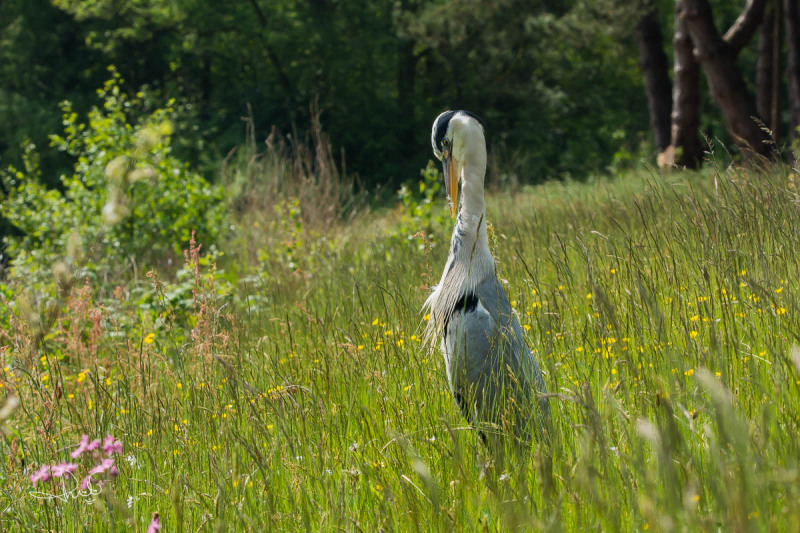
(491, 371)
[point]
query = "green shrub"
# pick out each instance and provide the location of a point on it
(128, 201)
(422, 214)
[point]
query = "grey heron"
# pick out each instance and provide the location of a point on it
(491, 371)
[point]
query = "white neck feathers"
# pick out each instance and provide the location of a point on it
(470, 261)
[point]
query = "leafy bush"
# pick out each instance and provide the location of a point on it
(422, 215)
(128, 200)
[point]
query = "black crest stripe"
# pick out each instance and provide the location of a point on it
(441, 128)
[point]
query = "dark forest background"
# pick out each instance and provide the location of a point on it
(563, 85)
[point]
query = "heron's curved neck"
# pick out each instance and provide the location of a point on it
(471, 223)
(472, 200)
(470, 261)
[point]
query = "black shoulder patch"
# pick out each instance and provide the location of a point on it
(467, 303)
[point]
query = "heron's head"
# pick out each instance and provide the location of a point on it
(452, 134)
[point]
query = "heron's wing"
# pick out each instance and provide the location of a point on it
(516, 354)
(489, 359)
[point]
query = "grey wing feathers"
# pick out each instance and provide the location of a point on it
(490, 362)
(528, 362)
(528, 367)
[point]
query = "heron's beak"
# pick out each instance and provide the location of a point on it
(450, 180)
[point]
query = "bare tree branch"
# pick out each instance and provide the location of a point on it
(739, 34)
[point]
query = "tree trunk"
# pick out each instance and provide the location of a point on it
(777, 54)
(654, 65)
(685, 150)
(764, 67)
(792, 9)
(768, 70)
(718, 58)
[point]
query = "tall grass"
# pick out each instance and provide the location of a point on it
(290, 167)
(664, 310)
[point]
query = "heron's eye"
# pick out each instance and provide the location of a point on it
(445, 142)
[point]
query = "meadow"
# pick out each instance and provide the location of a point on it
(278, 381)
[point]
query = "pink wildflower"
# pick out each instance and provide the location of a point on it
(85, 446)
(85, 482)
(103, 466)
(64, 469)
(82, 447)
(43, 474)
(155, 525)
(111, 446)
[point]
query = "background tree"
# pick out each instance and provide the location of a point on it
(685, 149)
(655, 67)
(41, 54)
(768, 69)
(557, 82)
(792, 10)
(717, 55)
